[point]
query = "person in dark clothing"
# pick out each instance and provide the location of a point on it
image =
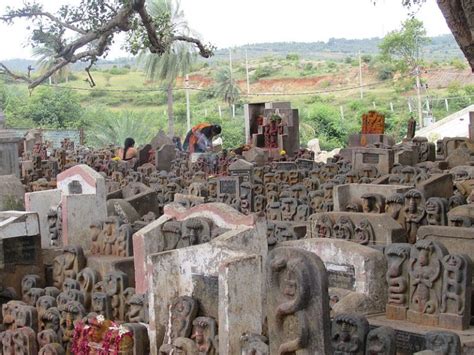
(199, 138)
(128, 152)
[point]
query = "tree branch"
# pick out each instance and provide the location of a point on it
(203, 50)
(13, 75)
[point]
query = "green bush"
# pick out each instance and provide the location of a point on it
(262, 72)
(292, 56)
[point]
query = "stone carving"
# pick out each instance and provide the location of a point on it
(42, 305)
(381, 341)
(349, 333)
(73, 312)
(28, 282)
(398, 280)
(298, 303)
(364, 233)
(70, 284)
(195, 231)
(124, 245)
(101, 303)
(25, 316)
(116, 282)
(52, 291)
(169, 236)
(254, 344)
(425, 270)
(373, 203)
(24, 342)
(395, 207)
(95, 232)
(183, 311)
(455, 305)
(204, 334)
(52, 349)
(288, 209)
(68, 265)
(47, 336)
(344, 228)
(87, 278)
(32, 296)
(323, 227)
(137, 309)
(415, 214)
(436, 211)
(180, 346)
(54, 227)
(51, 319)
(446, 343)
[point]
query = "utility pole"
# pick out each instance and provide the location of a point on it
(418, 94)
(247, 70)
(360, 77)
(188, 108)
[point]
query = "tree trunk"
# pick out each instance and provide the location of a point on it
(459, 15)
(170, 110)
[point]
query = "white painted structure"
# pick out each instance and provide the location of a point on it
(455, 125)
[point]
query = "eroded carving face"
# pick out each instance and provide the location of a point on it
(344, 228)
(288, 208)
(348, 334)
(192, 231)
(364, 234)
(443, 343)
(324, 227)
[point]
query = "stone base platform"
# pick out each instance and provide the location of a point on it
(410, 337)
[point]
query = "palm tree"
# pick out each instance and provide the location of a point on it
(177, 60)
(46, 60)
(226, 87)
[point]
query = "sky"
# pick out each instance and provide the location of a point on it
(228, 23)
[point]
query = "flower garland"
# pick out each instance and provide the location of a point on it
(112, 338)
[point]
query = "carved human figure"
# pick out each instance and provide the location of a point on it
(8, 313)
(54, 232)
(443, 342)
(183, 311)
(455, 295)
(436, 211)
(42, 305)
(398, 280)
(68, 265)
(87, 278)
(96, 238)
(274, 212)
(364, 233)
(415, 214)
(32, 296)
(349, 332)
(73, 312)
(124, 244)
(116, 282)
(302, 213)
(316, 199)
(52, 349)
(28, 282)
(47, 336)
(109, 235)
(297, 303)
(373, 203)
(425, 280)
(204, 334)
(25, 316)
(344, 228)
(323, 227)
(70, 284)
(24, 341)
(51, 319)
(259, 205)
(288, 209)
(395, 207)
(137, 309)
(101, 303)
(254, 344)
(180, 346)
(381, 341)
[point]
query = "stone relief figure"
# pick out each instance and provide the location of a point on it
(33, 295)
(274, 211)
(87, 278)
(116, 282)
(169, 236)
(183, 311)
(51, 319)
(353, 207)
(28, 282)
(137, 309)
(344, 228)
(204, 334)
(73, 312)
(101, 303)
(124, 244)
(47, 336)
(349, 332)
(259, 205)
(373, 203)
(364, 233)
(52, 291)
(455, 295)
(109, 235)
(443, 342)
(425, 271)
(24, 341)
(316, 199)
(254, 344)
(395, 207)
(195, 231)
(460, 221)
(297, 304)
(323, 227)
(42, 305)
(52, 349)
(415, 214)
(96, 238)
(398, 280)
(68, 265)
(25, 316)
(70, 284)
(302, 213)
(436, 211)
(288, 209)
(53, 228)
(381, 341)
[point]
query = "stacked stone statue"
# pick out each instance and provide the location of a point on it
(257, 250)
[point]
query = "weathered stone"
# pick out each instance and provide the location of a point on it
(296, 293)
